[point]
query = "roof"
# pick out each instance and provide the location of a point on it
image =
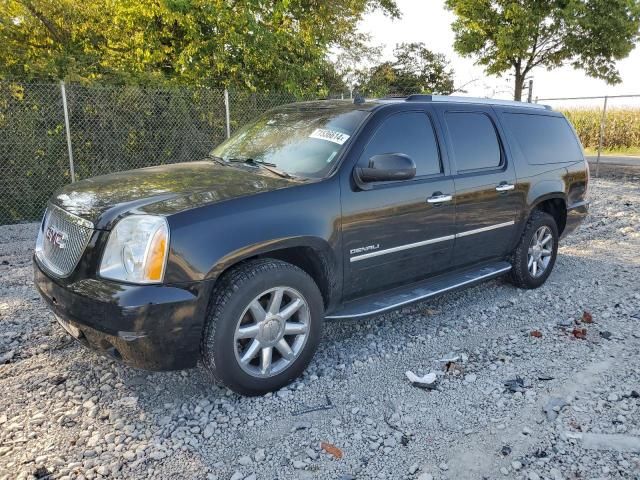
(371, 104)
(456, 99)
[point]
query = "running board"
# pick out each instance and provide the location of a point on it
(415, 292)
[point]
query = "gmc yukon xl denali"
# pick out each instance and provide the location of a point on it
(317, 210)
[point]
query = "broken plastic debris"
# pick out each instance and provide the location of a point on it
(515, 385)
(450, 358)
(426, 381)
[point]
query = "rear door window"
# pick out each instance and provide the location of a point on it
(543, 138)
(410, 133)
(474, 141)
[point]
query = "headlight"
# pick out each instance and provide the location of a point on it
(137, 250)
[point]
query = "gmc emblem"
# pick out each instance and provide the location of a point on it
(56, 237)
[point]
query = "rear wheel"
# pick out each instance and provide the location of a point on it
(535, 255)
(264, 326)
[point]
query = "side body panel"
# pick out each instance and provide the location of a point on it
(485, 217)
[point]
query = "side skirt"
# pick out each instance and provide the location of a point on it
(415, 292)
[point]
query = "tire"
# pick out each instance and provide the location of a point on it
(236, 322)
(526, 275)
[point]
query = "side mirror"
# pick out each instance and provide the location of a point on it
(385, 168)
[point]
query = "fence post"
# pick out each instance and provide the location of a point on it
(226, 112)
(603, 122)
(67, 129)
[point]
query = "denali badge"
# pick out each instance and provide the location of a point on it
(55, 237)
(368, 248)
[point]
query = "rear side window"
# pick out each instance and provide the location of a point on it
(543, 139)
(475, 144)
(410, 133)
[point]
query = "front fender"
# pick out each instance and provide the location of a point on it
(208, 240)
(318, 245)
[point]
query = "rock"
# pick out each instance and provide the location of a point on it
(209, 430)
(425, 476)
(533, 476)
(556, 474)
(413, 468)
(516, 465)
(158, 454)
(553, 406)
(260, 455)
(244, 460)
(103, 470)
(298, 465)
(236, 476)
(7, 356)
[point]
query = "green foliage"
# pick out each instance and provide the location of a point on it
(415, 69)
(520, 35)
(279, 45)
(113, 128)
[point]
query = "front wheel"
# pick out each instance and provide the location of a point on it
(264, 326)
(535, 255)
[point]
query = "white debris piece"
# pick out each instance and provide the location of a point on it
(426, 381)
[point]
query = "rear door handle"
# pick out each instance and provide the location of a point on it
(505, 187)
(439, 198)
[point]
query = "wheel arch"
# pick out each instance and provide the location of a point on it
(555, 204)
(313, 255)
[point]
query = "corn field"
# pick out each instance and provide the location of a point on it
(622, 127)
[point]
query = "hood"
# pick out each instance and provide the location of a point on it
(162, 190)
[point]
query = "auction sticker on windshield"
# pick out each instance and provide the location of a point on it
(329, 135)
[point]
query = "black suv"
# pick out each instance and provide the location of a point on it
(329, 209)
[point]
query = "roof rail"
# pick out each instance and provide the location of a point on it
(486, 101)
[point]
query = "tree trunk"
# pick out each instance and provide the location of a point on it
(519, 85)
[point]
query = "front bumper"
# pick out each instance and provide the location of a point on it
(575, 215)
(153, 327)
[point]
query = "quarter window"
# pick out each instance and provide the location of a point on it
(475, 144)
(544, 139)
(410, 133)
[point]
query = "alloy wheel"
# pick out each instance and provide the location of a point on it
(272, 332)
(540, 251)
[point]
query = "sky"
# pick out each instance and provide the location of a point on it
(429, 22)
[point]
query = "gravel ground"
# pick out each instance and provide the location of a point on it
(570, 407)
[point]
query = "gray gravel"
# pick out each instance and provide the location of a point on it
(570, 408)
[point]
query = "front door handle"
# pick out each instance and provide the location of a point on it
(505, 187)
(439, 198)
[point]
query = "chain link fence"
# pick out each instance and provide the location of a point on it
(110, 128)
(606, 125)
(114, 128)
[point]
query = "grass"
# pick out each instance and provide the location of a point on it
(615, 152)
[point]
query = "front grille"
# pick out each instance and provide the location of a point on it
(62, 239)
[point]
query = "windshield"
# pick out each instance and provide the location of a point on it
(300, 140)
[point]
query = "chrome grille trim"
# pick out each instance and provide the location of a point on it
(60, 262)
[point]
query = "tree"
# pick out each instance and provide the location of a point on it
(415, 69)
(276, 45)
(519, 35)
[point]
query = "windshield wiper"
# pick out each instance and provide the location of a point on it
(261, 163)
